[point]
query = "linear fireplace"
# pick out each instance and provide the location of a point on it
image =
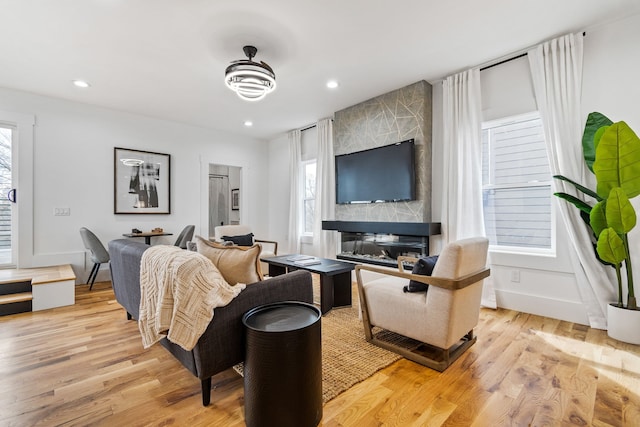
(381, 243)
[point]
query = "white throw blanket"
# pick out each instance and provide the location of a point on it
(178, 291)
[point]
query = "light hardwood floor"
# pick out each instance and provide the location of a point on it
(84, 365)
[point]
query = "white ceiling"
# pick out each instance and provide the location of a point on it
(166, 58)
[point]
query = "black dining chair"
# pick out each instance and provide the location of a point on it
(185, 236)
(99, 254)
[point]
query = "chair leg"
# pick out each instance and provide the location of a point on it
(93, 274)
(206, 391)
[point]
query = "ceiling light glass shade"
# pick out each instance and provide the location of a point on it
(251, 80)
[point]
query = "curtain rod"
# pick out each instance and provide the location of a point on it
(311, 127)
(503, 61)
(584, 33)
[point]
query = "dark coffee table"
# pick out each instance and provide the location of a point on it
(335, 277)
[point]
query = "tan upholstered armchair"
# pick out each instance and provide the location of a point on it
(442, 318)
(243, 232)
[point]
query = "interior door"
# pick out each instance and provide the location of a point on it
(218, 201)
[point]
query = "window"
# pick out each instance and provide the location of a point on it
(308, 200)
(516, 183)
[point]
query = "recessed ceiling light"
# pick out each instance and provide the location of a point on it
(248, 123)
(332, 84)
(81, 83)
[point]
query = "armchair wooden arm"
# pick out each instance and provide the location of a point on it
(272, 242)
(451, 284)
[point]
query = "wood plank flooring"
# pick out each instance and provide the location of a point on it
(84, 365)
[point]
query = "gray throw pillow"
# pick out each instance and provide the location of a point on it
(423, 267)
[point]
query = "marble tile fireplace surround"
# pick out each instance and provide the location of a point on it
(380, 243)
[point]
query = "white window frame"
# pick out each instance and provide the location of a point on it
(551, 251)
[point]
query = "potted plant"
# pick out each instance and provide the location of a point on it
(612, 153)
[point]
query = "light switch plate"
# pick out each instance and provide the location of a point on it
(61, 211)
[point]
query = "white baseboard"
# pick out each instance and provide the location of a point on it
(569, 311)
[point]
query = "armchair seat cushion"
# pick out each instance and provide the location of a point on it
(386, 299)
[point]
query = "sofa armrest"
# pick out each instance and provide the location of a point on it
(222, 344)
(125, 255)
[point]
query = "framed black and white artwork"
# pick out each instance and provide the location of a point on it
(235, 199)
(141, 182)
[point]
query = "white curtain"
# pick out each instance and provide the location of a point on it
(324, 243)
(294, 193)
(462, 212)
(556, 69)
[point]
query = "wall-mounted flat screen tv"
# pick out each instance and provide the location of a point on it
(382, 174)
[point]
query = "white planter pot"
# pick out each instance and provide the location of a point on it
(623, 324)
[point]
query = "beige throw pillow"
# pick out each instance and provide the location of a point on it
(237, 264)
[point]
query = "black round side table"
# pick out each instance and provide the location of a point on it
(283, 365)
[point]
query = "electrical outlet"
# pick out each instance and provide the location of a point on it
(61, 211)
(515, 276)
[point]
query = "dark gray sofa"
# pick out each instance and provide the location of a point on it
(222, 344)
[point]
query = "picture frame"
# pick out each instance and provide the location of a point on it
(141, 182)
(235, 199)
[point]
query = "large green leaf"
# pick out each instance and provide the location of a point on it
(580, 187)
(611, 247)
(597, 137)
(598, 218)
(586, 218)
(620, 213)
(617, 161)
(595, 121)
(583, 206)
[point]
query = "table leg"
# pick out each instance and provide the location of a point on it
(275, 270)
(147, 240)
(342, 289)
(335, 291)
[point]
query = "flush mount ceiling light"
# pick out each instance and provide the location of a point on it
(252, 81)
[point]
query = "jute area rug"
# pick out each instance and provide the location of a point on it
(347, 358)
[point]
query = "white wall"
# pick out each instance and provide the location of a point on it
(73, 168)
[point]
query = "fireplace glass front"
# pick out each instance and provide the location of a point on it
(381, 249)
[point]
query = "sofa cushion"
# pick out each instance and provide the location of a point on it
(424, 266)
(237, 264)
(244, 240)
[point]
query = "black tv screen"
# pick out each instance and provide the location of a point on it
(382, 174)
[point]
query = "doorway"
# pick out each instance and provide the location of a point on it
(224, 181)
(7, 197)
